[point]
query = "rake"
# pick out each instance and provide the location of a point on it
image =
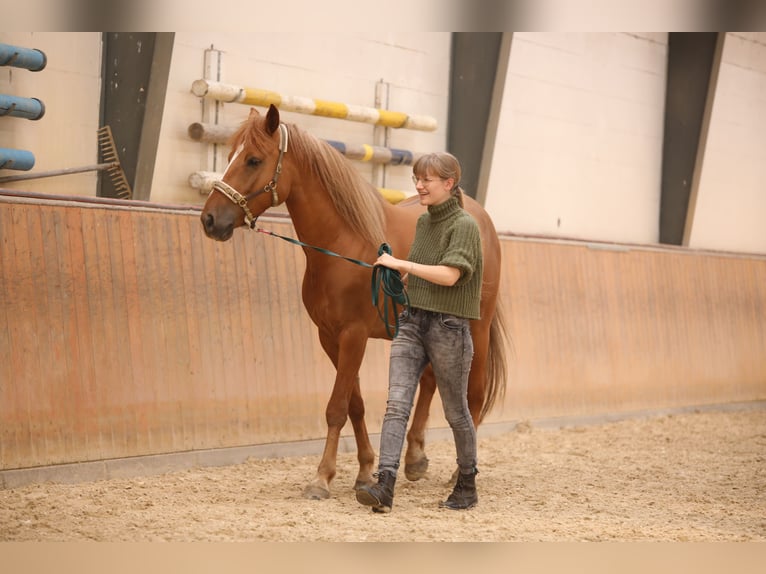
(110, 164)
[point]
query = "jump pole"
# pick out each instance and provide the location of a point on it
(217, 134)
(19, 159)
(28, 108)
(30, 59)
(263, 98)
(203, 181)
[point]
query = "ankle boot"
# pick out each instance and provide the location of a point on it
(464, 494)
(380, 496)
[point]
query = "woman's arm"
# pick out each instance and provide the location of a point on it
(439, 274)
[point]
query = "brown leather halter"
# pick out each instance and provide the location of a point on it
(271, 187)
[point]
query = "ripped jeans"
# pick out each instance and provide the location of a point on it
(444, 341)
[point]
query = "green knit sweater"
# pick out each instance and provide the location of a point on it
(447, 235)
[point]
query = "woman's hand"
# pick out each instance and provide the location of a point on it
(387, 260)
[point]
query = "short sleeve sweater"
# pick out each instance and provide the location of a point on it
(448, 235)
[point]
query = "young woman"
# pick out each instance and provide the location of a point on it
(444, 286)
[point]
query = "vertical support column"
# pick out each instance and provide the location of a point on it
(493, 117)
(211, 109)
(702, 143)
(473, 73)
(380, 134)
(127, 63)
(154, 108)
(691, 72)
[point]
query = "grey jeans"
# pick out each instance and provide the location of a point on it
(444, 341)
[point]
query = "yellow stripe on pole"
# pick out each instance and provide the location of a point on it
(392, 119)
(330, 109)
(258, 97)
(369, 151)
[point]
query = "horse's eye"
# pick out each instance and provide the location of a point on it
(253, 162)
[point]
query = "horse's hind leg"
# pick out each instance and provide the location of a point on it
(415, 459)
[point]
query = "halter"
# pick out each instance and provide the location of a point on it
(271, 187)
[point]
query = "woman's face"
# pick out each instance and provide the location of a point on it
(432, 189)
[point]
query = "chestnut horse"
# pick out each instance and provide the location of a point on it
(332, 207)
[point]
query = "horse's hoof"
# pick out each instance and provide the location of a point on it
(316, 492)
(416, 470)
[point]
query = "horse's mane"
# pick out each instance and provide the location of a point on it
(357, 201)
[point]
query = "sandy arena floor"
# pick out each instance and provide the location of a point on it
(684, 477)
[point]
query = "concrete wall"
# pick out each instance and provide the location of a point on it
(579, 138)
(731, 191)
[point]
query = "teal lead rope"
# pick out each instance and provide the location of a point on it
(384, 279)
(390, 282)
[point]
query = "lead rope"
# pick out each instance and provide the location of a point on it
(384, 279)
(390, 282)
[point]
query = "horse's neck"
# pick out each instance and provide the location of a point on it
(314, 216)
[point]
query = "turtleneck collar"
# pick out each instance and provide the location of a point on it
(444, 210)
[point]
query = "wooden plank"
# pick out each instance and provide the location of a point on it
(99, 352)
(7, 388)
(48, 388)
(25, 362)
(14, 400)
(118, 325)
(192, 424)
(137, 432)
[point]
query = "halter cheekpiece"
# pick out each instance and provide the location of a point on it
(271, 187)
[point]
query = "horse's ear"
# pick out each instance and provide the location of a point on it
(272, 119)
(253, 113)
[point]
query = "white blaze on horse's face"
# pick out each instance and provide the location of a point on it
(233, 158)
(231, 161)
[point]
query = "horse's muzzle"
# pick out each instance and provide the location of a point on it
(215, 228)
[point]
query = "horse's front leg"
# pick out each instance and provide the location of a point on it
(346, 353)
(415, 459)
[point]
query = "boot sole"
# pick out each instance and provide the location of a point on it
(450, 507)
(364, 497)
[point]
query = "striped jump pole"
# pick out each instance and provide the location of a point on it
(257, 97)
(30, 59)
(29, 108)
(217, 134)
(203, 181)
(19, 159)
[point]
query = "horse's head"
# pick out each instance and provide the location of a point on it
(248, 186)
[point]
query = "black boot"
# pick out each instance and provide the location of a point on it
(380, 496)
(464, 494)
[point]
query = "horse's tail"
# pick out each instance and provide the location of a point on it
(497, 368)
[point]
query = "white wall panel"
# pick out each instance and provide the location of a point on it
(731, 197)
(579, 144)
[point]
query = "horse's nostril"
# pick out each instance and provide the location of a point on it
(207, 221)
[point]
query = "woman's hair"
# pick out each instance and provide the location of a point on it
(443, 165)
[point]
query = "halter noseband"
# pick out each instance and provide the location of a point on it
(271, 187)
